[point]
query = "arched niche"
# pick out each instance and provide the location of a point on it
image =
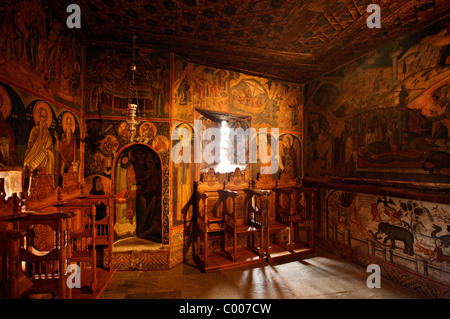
(137, 185)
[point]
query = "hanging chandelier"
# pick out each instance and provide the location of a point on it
(133, 109)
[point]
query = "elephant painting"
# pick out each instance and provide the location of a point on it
(394, 233)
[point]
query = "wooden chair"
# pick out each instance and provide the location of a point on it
(99, 207)
(303, 214)
(104, 224)
(273, 223)
(246, 221)
(280, 220)
(201, 226)
(210, 210)
(13, 282)
(45, 268)
(83, 243)
(210, 220)
(208, 217)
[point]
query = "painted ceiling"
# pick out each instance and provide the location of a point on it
(293, 40)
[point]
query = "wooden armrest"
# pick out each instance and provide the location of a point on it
(258, 191)
(10, 234)
(201, 195)
(227, 193)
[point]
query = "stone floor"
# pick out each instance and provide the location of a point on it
(321, 275)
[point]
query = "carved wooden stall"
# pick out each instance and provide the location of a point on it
(60, 226)
(290, 211)
(221, 204)
(13, 282)
(280, 224)
(94, 212)
(83, 242)
(273, 227)
(241, 221)
(45, 250)
(42, 250)
(303, 217)
(91, 228)
(247, 221)
(209, 218)
(210, 202)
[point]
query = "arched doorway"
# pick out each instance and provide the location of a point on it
(137, 184)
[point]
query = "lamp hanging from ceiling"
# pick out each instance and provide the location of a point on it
(133, 109)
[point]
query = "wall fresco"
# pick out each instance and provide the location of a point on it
(198, 86)
(411, 231)
(290, 156)
(385, 115)
(109, 86)
(36, 134)
(270, 103)
(37, 53)
(183, 176)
